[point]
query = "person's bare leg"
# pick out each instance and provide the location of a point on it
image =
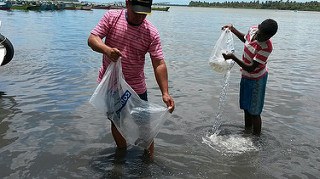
(256, 121)
(150, 151)
(118, 138)
(247, 121)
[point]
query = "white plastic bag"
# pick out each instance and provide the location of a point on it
(137, 120)
(224, 44)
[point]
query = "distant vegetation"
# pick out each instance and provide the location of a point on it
(281, 5)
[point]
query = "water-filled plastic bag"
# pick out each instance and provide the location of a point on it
(137, 120)
(224, 44)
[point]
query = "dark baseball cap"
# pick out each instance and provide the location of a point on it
(141, 6)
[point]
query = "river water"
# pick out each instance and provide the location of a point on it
(48, 129)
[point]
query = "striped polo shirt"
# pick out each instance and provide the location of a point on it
(133, 42)
(256, 51)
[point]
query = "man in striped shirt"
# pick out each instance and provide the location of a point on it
(257, 48)
(129, 35)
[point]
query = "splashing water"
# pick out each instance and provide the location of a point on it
(229, 144)
(226, 144)
(222, 100)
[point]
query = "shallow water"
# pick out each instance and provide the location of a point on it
(48, 128)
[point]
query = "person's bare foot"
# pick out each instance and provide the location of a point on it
(248, 130)
(148, 155)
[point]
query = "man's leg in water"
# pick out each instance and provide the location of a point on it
(256, 121)
(118, 138)
(150, 150)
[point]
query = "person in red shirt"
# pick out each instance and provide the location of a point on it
(257, 48)
(129, 35)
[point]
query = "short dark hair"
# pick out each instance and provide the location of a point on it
(269, 26)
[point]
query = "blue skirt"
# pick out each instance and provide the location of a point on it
(252, 94)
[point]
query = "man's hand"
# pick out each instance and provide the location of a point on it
(113, 54)
(168, 100)
(229, 26)
(228, 56)
(96, 44)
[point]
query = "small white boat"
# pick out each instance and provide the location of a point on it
(6, 50)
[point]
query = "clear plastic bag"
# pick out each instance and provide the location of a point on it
(137, 120)
(224, 44)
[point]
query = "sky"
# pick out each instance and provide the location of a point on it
(186, 2)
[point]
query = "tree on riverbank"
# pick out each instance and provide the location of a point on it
(281, 5)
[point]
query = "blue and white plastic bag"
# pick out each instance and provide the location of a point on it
(224, 44)
(137, 120)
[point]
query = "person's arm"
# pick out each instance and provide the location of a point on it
(96, 44)
(161, 75)
(246, 67)
(239, 34)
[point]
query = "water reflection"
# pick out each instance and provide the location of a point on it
(48, 128)
(120, 163)
(7, 110)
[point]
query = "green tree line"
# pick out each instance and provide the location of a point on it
(281, 5)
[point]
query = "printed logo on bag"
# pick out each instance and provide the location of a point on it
(124, 98)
